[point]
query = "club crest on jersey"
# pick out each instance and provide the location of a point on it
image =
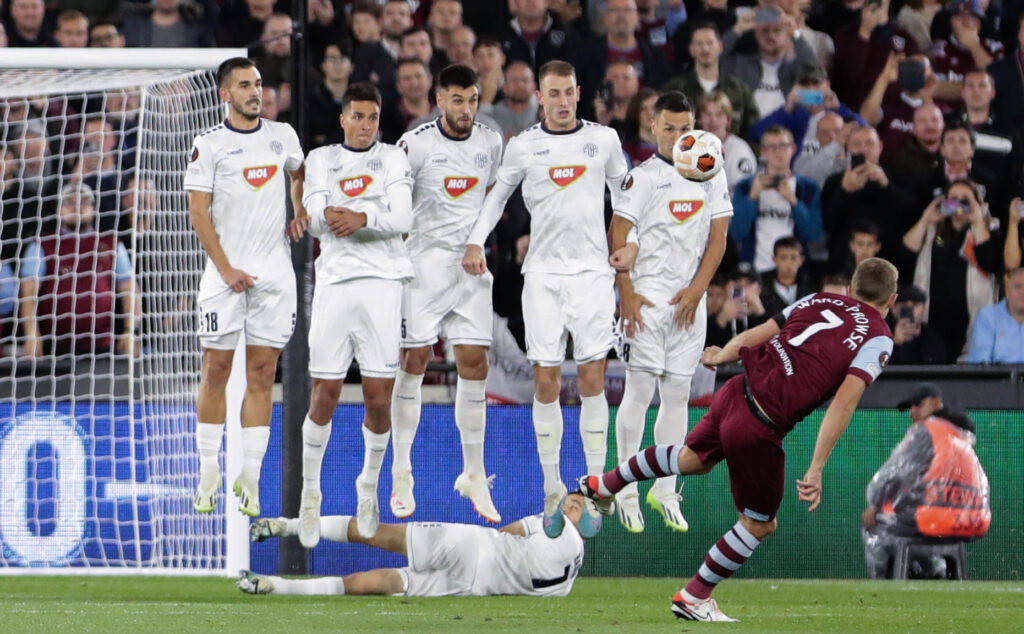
(590, 149)
(562, 177)
(276, 147)
(259, 176)
(683, 210)
(355, 186)
(456, 186)
(480, 160)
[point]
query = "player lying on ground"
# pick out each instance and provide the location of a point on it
(444, 559)
(822, 346)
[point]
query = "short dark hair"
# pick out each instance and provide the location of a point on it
(778, 130)
(360, 91)
(488, 40)
(835, 280)
(673, 101)
(402, 61)
(556, 67)
(414, 29)
(787, 242)
(811, 74)
(230, 65)
(456, 75)
(863, 225)
(701, 25)
(366, 6)
(956, 124)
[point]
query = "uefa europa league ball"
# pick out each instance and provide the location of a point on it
(698, 155)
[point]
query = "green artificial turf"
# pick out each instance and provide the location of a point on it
(178, 605)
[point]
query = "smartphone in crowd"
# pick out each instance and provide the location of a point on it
(766, 16)
(856, 160)
(811, 97)
(911, 75)
(607, 94)
(737, 292)
(952, 206)
(907, 312)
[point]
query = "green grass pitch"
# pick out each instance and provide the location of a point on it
(153, 605)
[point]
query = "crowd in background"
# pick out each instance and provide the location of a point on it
(850, 129)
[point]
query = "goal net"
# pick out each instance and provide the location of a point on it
(99, 271)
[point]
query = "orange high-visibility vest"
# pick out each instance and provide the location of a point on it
(956, 501)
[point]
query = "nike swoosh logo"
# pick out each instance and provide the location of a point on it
(406, 398)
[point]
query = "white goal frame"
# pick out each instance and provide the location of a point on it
(139, 65)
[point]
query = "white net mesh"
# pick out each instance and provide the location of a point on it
(97, 454)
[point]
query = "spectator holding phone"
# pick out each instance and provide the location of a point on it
(620, 85)
(775, 202)
(962, 50)
(863, 192)
(958, 260)
(998, 334)
(911, 168)
(1009, 82)
(810, 99)
(903, 86)
(915, 342)
(824, 154)
(862, 50)
(997, 145)
(957, 152)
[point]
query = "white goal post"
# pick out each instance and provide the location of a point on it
(99, 364)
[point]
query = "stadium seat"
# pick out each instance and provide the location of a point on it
(953, 551)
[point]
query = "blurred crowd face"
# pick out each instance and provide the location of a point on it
(27, 15)
(77, 212)
(865, 141)
(519, 84)
(445, 15)
(864, 246)
(715, 120)
(360, 120)
(260, 9)
(559, 97)
(777, 150)
(395, 19)
(167, 6)
(961, 192)
(489, 60)
(413, 83)
(105, 36)
(459, 106)
(365, 27)
(625, 83)
(99, 133)
(417, 45)
(33, 151)
(705, 47)
(928, 125)
(460, 46)
(73, 32)
(336, 67)
(620, 18)
(829, 128)
(269, 108)
(956, 147)
(277, 36)
(244, 92)
(530, 9)
(787, 262)
(978, 91)
(772, 40)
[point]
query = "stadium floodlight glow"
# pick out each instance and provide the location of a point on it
(97, 448)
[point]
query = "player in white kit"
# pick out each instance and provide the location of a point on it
(444, 559)
(563, 165)
(358, 195)
(454, 162)
(236, 195)
(681, 228)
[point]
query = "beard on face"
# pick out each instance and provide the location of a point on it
(462, 127)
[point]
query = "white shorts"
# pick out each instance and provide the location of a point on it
(357, 318)
(661, 347)
(443, 559)
(266, 311)
(446, 300)
(555, 306)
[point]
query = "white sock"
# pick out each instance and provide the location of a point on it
(208, 436)
(548, 427)
(332, 527)
(374, 447)
(673, 419)
(254, 446)
(314, 444)
(405, 418)
(594, 432)
(316, 586)
(471, 419)
(631, 418)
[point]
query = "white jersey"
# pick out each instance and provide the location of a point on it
(563, 176)
(673, 217)
(243, 170)
(451, 180)
(533, 565)
(377, 182)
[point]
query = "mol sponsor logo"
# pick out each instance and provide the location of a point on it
(683, 210)
(259, 176)
(355, 186)
(562, 177)
(456, 186)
